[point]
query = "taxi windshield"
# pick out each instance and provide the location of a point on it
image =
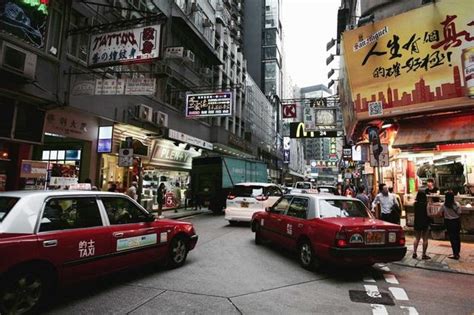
(342, 209)
(6, 204)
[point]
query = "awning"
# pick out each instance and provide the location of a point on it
(432, 131)
(226, 150)
(296, 174)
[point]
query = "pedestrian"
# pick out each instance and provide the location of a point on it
(188, 197)
(362, 196)
(177, 196)
(197, 201)
(160, 198)
(422, 224)
(132, 191)
(348, 192)
(89, 181)
(390, 211)
(451, 212)
(431, 189)
(113, 187)
(339, 191)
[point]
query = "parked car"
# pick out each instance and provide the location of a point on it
(326, 228)
(247, 198)
(60, 237)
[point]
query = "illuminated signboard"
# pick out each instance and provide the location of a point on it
(104, 142)
(297, 130)
(26, 19)
(126, 46)
(209, 105)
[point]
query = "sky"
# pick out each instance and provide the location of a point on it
(308, 26)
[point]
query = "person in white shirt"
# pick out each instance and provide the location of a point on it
(132, 191)
(387, 202)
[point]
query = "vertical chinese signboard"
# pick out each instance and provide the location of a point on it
(126, 46)
(415, 61)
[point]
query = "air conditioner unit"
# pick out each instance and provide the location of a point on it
(188, 56)
(160, 119)
(17, 60)
(144, 112)
(206, 72)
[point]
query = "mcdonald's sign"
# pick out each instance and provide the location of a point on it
(297, 131)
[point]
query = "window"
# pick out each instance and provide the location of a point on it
(55, 27)
(298, 208)
(78, 44)
(123, 211)
(342, 209)
(273, 191)
(282, 205)
(70, 213)
(6, 204)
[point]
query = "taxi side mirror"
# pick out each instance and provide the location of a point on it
(150, 218)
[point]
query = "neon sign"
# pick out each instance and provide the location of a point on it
(40, 5)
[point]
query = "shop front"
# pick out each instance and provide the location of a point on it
(69, 147)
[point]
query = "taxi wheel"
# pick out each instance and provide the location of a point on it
(307, 256)
(178, 252)
(23, 291)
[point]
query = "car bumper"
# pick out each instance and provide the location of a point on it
(243, 215)
(192, 241)
(369, 255)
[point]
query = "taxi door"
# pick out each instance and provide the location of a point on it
(133, 238)
(271, 226)
(72, 236)
(293, 221)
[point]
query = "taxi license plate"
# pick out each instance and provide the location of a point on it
(374, 237)
(244, 204)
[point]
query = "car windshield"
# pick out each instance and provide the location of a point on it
(6, 204)
(248, 191)
(303, 185)
(334, 208)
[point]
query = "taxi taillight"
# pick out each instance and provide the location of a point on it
(341, 238)
(401, 239)
(230, 196)
(261, 198)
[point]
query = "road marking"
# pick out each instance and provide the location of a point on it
(372, 291)
(399, 294)
(382, 267)
(390, 278)
(378, 309)
(411, 310)
(369, 279)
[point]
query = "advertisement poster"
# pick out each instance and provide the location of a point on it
(33, 169)
(395, 65)
(126, 46)
(63, 174)
(209, 105)
(26, 20)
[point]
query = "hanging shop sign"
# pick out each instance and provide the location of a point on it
(33, 169)
(166, 153)
(26, 19)
(132, 86)
(125, 157)
(289, 110)
(209, 105)
(126, 46)
(394, 66)
(71, 124)
(176, 135)
(347, 153)
(298, 130)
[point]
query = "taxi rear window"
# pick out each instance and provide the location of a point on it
(338, 208)
(6, 204)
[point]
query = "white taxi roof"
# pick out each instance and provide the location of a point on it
(255, 184)
(24, 215)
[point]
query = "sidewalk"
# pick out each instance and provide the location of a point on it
(439, 252)
(181, 213)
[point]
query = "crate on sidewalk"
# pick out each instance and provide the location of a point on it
(434, 210)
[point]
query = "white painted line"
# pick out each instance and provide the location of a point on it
(411, 310)
(385, 268)
(390, 278)
(369, 279)
(399, 294)
(378, 309)
(372, 291)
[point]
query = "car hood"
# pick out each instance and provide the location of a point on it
(359, 222)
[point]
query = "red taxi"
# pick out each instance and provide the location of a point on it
(61, 237)
(328, 228)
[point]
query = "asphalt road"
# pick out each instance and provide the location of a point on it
(228, 274)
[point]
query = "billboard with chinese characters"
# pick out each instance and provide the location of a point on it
(26, 20)
(397, 64)
(209, 105)
(126, 46)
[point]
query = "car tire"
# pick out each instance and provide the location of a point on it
(258, 235)
(307, 256)
(178, 251)
(24, 290)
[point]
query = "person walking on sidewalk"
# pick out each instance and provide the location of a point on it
(422, 223)
(160, 199)
(451, 212)
(388, 206)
